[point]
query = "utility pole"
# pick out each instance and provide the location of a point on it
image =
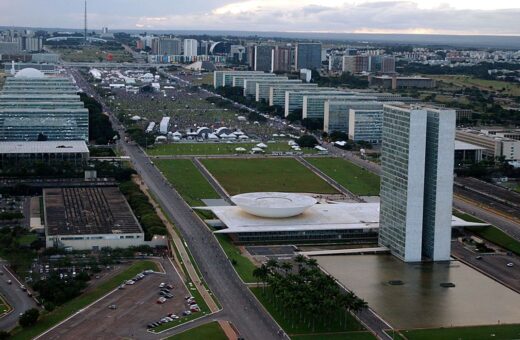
(85, 28)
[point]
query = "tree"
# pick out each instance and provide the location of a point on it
(4, 335)
(29, 318)
(307, 141)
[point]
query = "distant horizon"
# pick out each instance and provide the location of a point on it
(510, 42)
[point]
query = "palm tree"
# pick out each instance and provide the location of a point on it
(300, 260)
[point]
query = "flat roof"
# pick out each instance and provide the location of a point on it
(459, 145)
(75, 146)
(335, 216)
(88, 211)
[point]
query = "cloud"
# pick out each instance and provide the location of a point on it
(369, 17)
(341, 16)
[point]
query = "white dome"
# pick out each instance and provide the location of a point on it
(273, 204)
(29, 73)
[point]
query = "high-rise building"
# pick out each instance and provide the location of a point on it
(263, 58)
(190, 47)
(170, 46)
(356, 63)
(282, 59)
(308, 55)
(416, 182)
(387, 64)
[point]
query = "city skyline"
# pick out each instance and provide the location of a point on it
(339, 16)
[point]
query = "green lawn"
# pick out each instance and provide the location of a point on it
(210, 331)
(251, 175)
(215, 148)
(4, 307)
(466, 217)
(243, 266)
(62, 312)
(503, 332)
(498, 237)
(343, 322)
(187, 180)
(357, 180)
(27, 239)
(494, 85)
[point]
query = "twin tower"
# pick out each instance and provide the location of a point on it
(417, 159)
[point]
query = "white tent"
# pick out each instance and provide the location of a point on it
(243, 137)
(240, 149)
(135, 118)
(261, 145)
(212, 136)
(257, 150)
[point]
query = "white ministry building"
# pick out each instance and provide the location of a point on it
(190, 47)
(417, 159)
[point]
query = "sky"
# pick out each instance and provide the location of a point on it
(486, 17)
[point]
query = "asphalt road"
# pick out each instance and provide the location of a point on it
(493, 265)
(244, 311)
(17, 298)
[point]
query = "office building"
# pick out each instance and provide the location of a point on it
(263, 87)
(416, 182)
(365, 125)
(190, 47)
(495, 144)
(313, 105)
(20, 154)
(238, 81)
(277, 92)
(308, 56)
(170, 46)
(263, 56)
(7, 47)
(387, 65)
(294, 98)
(282, 59)
(396, 82)
(250, 84)
(225, 78)
(336, 116)
(356, 64)
(238, 54)
(45, 58)
(22, 119)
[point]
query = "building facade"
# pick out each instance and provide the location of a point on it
(416, 182)
(263, 58)
(365, 125)
(308, 56)
(282, 59)
(190, 47)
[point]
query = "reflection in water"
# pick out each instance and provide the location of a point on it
(421, 301)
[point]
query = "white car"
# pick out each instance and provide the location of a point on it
(510, 264)
(130, 282)
(162, 285)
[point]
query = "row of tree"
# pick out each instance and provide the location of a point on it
(304, 293)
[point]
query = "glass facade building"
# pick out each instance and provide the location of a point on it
(336, 113)
(313, 105)
(50, 106)
(416, 182)
(366, 125)
(308, 56)
(250, 85)
(294, 98)
(262, 87)
(277, 93)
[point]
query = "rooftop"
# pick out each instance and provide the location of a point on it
(43, 147)
(88, 211)
(334, 216)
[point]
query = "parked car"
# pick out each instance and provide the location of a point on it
(162, 285)
(510, 264)
(112, 307)
(9, 282)
(130, 282)
(169, 286)
(161, 300)
(22, 287)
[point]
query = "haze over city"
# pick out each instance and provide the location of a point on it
(338, 16)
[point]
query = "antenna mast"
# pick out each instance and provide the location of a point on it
(85, 22)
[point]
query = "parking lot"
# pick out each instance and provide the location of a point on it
(126, 312)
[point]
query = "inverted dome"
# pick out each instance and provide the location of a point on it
(29, 73)
(273, 204)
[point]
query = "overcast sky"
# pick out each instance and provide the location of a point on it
(501, 17)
